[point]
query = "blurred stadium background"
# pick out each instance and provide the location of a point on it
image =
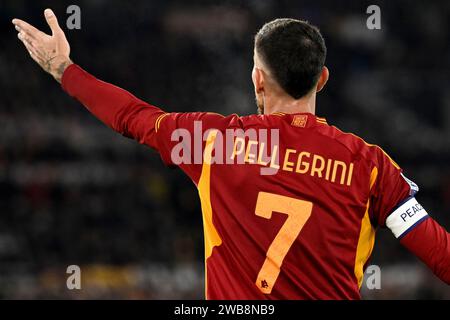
(74, 192)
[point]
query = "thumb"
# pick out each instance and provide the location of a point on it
(52, 21)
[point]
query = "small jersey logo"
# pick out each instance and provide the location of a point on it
(414, 187)
(299, 121)
(264, 284)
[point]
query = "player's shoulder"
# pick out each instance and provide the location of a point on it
(206, 119)
(239, 121)
(266, 120)
(357, 145)
(253, 120)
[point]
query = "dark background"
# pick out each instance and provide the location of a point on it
(74, 192)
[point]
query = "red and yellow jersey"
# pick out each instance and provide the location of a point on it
(305, 231)
(290, 204)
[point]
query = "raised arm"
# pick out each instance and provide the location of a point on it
(114, 106)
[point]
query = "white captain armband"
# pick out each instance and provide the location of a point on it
(406, 217)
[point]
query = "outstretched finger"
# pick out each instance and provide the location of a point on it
(35, 57)
(52, 22)
(30, 48)
(21, 25)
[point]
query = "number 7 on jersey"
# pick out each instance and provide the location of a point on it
(298, 212)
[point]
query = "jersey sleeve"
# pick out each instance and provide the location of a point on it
(393, 193)
(114, 106)
(179, 137)
(430, 242)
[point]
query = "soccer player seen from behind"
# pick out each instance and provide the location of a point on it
(290, 204)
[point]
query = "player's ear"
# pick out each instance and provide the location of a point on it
(258, 79)
(322, 79)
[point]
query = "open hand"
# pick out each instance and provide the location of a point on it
(51, 52)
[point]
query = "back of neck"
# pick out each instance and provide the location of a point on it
(287, 104)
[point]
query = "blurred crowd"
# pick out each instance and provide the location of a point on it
(74, 192)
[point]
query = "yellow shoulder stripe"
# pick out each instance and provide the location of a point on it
(376, 146)
(215, 113)
(158, 121)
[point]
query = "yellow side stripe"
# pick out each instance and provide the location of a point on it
(211, 236)
(366, 239)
